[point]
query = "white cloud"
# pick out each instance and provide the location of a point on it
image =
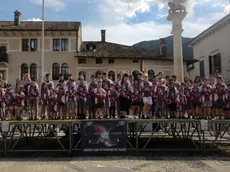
(34, 19)
(130, 34)
(56, 4)
(227, 9)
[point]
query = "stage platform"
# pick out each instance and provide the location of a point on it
(71, 136)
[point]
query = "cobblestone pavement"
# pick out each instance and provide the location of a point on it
(135, 164)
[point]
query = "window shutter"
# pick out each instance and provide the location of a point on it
(210, 64)
(219, 62)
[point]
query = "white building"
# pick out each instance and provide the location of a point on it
(212, 49)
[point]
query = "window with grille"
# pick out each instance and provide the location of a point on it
(55, 71)
(215, 63)
(98, 61)
(24, 70)
(29, 45)
(65, 70)
(33, 70)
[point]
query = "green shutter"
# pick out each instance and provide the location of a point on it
(219, 62)
(210, 65)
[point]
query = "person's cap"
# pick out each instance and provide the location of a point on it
(60, 74)
(71, 80)
(216, 71)
(99, 72)
(99, 81)
(205, 78)
(125, 75)
(219, 76)
(69, 74)
(33, 79)
(47, 74)
(112, 83)
(173, 76)
(145, 74)
(61, 81)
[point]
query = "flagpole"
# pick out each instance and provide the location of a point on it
(43, 37)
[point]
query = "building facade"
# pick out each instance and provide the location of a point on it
(65, 52)
(212, 49)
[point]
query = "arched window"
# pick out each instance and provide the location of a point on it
(24, 70)
(55, 71)
(33, 70)
(65, 70)
(112, 73)
(83, 74)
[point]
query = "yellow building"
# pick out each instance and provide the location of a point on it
(65, 52)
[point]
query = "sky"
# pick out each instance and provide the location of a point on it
(126, 21)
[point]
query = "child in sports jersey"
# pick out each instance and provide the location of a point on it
(71, 99)
(2, 94)
(160, 92)
(136, 97)
(9, 100)
(172, 94)
(227, 103)
(182, 102)
(112, 99)
(61, 100)
(45, 95)
(82, 93)
(146, 88)
(218, 95)
(206, 98)
(19, 104)
(196, 100)
(33, 95)
(90, 97)
(187, 92)
(100, 95)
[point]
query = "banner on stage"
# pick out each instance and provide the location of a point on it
(204, 125)
(5, 126)
(104, 136)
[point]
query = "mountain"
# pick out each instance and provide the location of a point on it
(154, 45)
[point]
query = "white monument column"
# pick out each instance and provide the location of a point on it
(177, 13)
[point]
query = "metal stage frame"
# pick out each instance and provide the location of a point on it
(141, 135)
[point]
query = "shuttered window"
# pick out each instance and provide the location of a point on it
(215, 63)
(202, 70)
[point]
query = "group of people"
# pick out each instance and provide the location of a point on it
(142, 96)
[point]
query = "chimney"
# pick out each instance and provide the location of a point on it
(163, 48)
(103, 35)
(17, 15)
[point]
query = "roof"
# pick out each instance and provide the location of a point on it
(112, 50)
(210, 29)
(37, 26)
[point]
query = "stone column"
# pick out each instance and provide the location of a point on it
(176, 19)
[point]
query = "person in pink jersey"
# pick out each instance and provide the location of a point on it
(19, 104)
(90, 97)
(33, 95)
(172, 94)
(2, 94)
(136, 96)
(9, 101)
(227, 103)
(206, 98)
(82, 92)
(100, 95)
(160, 92)
(44, 100)
(112, 100)
(71, 94)
(146, 87)
(196, 99)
